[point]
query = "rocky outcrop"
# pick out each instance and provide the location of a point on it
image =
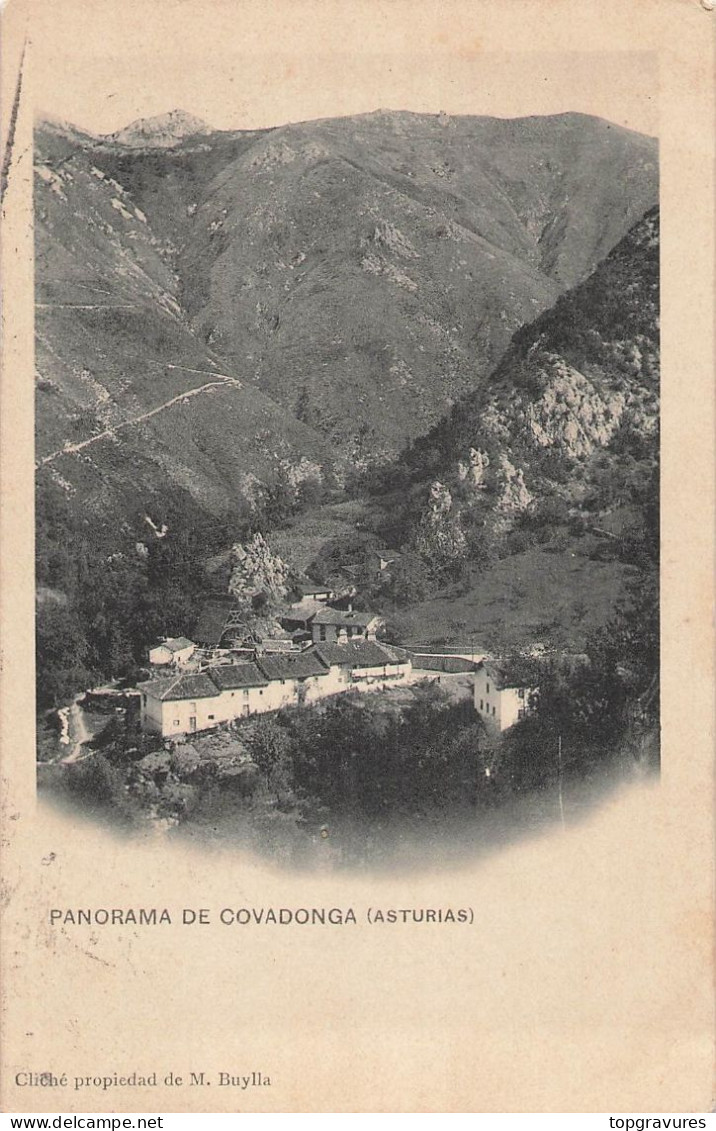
(160, 132)
(474, 469)
(567, 413)
(513, 495)
(257, 571)
(571, 412)
(440, 537)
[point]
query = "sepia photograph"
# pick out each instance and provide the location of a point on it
(347, 466)
(357, 485)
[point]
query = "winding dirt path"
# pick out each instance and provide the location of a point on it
(109, 433)
(77, 733)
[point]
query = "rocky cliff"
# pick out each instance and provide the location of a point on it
(571, 413)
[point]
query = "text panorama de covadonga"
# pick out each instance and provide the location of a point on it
(256, 916)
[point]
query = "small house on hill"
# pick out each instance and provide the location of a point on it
(300, 615)
(382, 561)
(504, 693)
(172, 650)
(342, 625)
(314, 591)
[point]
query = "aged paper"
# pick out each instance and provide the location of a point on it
(582, 978)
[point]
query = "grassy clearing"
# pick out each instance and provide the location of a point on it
(536, 596)
(300, 542)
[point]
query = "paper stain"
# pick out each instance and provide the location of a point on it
(12, 127)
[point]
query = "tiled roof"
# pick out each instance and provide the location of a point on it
(228, 676)
(298, 666)
(357, 654)
(188, 686)
(341, 617)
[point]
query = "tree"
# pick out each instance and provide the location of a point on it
(63, 655)
(409, 580)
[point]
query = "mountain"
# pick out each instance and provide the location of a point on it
(216, 308)
(160, 132)
(368, 271)
(568, 425)
(131, 407)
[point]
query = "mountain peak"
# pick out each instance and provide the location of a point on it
(161, 131)
(61, 127)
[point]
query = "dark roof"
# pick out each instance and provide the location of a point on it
(211, 623)
(308, 587)
(506, 674)
(342, 617)
(297, 666)
(188, 686)
(357, 654)
(228, 676)
(303, 611)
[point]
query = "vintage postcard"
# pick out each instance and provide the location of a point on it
(357, 531)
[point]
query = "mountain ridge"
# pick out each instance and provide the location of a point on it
(159, 130)
(351, 278)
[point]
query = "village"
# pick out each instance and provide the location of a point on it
(326, 648)
(268, 641)
(288, 699)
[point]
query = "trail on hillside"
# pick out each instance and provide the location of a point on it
(110, 433)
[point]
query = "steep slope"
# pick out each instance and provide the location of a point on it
(366, 272)
(569, 422)
(131, 406)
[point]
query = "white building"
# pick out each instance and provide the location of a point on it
(172, 650)
(189, 702)
(197, 701)
(363, 665)
(293, 678)
(502, 697)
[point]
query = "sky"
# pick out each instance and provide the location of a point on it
(256, 63)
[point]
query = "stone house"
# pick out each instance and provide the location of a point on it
(382, 561)
(313, 591)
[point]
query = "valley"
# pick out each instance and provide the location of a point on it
(407, 362)
(350, 279)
